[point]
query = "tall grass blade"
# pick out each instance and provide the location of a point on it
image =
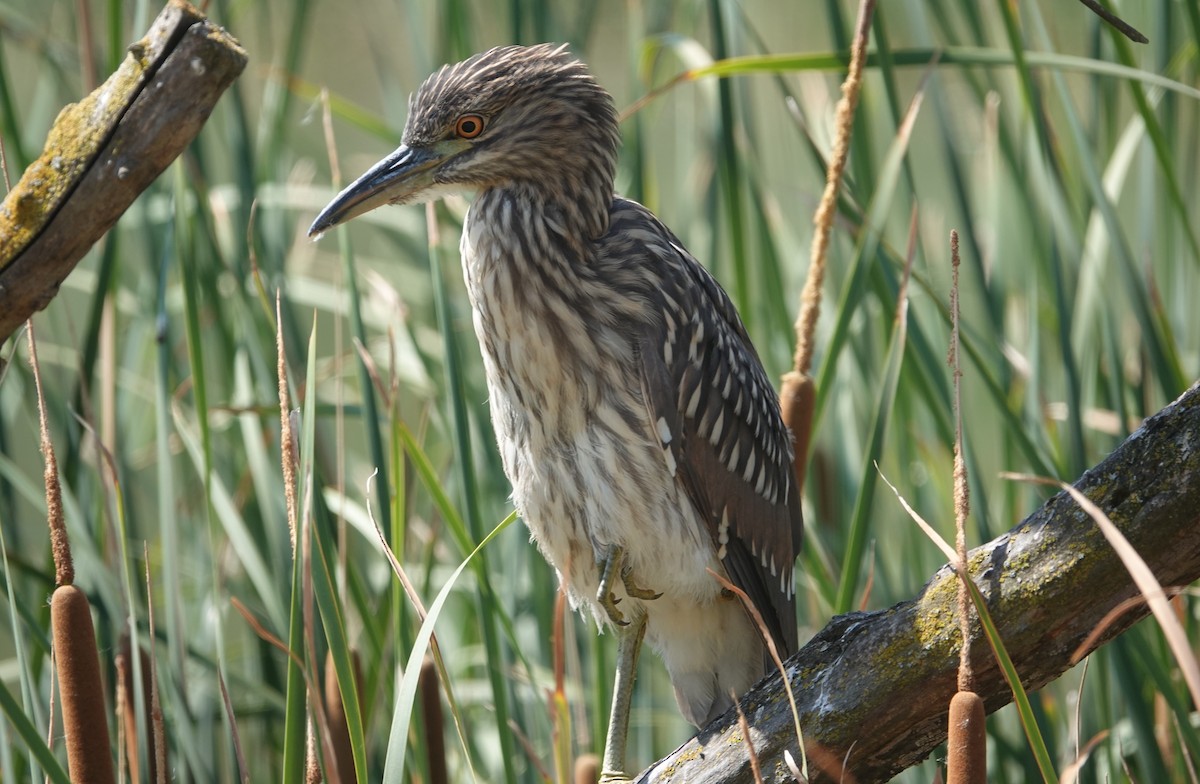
(406, 690)
(32, 737)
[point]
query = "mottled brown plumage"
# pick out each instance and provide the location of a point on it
(633, 416)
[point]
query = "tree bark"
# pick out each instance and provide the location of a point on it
(873, 688)
(105, 150)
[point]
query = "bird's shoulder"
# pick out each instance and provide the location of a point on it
(639, 245)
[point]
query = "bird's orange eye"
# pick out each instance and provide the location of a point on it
(469, 126)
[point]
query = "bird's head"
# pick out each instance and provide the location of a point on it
(510, 115)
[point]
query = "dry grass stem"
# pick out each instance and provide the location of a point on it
(531, 752)
(962, 493)
(755, 771)
(1117, 23)
(238, 751)
(810, 297)
(60, 543)
(127, 709)
(4, 168)
(312, 765)
(797, 397)
(1089, 643)
(286, 437)
(126, 736)
(761, 625)
(830, 764)
(1071, 773)
(928, 529)
(158, 730)
(262, 631)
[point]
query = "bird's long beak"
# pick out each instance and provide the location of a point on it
(398, 178)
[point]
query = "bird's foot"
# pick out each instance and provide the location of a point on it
(612, 564)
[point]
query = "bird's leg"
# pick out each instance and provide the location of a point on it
(629, 643)
(609, 566)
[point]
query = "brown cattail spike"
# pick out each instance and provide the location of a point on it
(342, 769)
(431, 709)
(797, 399)
(85, 720)
(966, 741)
(587, 769)
(128, 714)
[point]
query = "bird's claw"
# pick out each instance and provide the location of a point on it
(636, 591)
(609, 602)
(611, 564)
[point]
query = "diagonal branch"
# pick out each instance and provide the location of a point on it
(872, 688)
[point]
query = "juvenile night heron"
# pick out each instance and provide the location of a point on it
(634, 419)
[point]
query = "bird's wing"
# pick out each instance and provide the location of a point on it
(717, 416)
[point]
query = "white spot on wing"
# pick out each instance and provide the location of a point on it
(723, 533)
(714, 438)
(693, 402)
(748, 474)
(664, 431)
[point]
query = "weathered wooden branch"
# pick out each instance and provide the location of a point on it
(105, 150)
(873, 688)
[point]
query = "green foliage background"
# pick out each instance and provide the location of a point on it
(1066, 157)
